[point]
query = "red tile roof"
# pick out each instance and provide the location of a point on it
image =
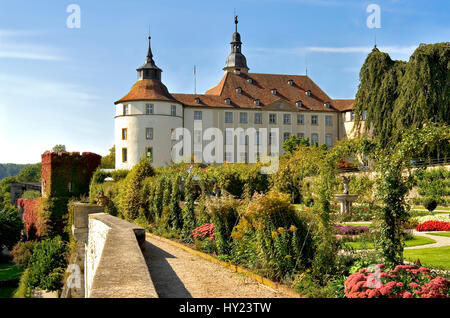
(344, 104)
(147, 90)
(259, 89)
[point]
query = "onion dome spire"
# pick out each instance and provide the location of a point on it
(236, 61)
(149, 70)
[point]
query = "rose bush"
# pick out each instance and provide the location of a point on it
(404, 281)
(433, 226)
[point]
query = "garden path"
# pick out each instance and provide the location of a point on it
(179, 274)
(440, 241)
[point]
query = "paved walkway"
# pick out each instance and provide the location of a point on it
(179, 274)
(440, 241)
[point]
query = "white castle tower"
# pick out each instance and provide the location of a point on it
(145, 118)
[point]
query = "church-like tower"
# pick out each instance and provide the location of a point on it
(145, 118)
(236, 61)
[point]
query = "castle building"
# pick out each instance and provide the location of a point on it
(147, 116)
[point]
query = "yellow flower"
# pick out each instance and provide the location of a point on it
(293, 228)
(281, 230)
(288, 256)
(274, 234)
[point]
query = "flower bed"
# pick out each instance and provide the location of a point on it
(404, 281)
(350, 229)
(433, 226)
(204, 231)
(436, 217)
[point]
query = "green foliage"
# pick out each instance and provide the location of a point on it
(430, 204)
(293, 143)
(176, 218)
(10, 227)
(109, 161)
(434, 183)
(401, 95)
(189, 209)
(57, 149)
(283, 244)
(23, 291)
(223, 213)
(394, 182)
(22, 252)
(47, 264)
(129, 193)
(31, 194)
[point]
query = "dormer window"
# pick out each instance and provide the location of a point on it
(197, 100)
(239, 90)
(299, 103)
(327, 105)
(227, 101)
(250, 81)
(308, 93)
(291, 83)
(274, 91)
(257, 102)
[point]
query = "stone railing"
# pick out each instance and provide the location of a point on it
(111, 252)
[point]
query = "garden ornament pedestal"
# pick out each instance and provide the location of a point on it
(346, 199)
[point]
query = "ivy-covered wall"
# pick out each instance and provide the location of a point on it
(68, 174)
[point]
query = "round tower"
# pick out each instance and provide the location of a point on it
(145, 119)
(236, 61)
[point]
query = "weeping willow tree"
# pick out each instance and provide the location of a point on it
(399, 95)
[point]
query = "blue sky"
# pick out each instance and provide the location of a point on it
(58, 85)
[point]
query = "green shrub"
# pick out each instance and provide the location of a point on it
(120, 174)
(10, 227)
(430, 204)
(24, 290)
(22, 252)
(31, 194)
(47, 264)
(223, 213)
(282, 241)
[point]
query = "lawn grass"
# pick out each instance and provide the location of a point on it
(437, 257)
(368, 224)
(446, 234)
(416, 241)
(9, 272)
(439, 207)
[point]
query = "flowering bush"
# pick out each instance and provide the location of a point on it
(404, 281)
(350, 229)
(204, 231)
(436, 217)
(433, 226)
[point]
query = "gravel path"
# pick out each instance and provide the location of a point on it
(178, 274)
(440, 241)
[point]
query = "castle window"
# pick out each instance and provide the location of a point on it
(229, 157)
(291, 83)
(258, 118)
(299, 103)
(124, 133)
(250, 81)
(301, 135)
(228, 137)
(69, 187)
(287, 119)
(353, 115)
(308, 93)
(239, 90)
(328, 121)
(197, 115)
(258, 138)
(286, 136)
(364, 117)
(314, 139)
(227, 101)
(149, 109)
(314, 120)
(149, 153)
(274, 91)
(197, 100)
(328, 140)
(257, 102)
(149, 133)
(272, 118)
(126, 109)
(327, 105)
(243, 118)
(300, 119)
(243, 139)
(124, 155)
(228, 117)
(173, 110)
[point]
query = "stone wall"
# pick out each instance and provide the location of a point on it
(109, 257)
